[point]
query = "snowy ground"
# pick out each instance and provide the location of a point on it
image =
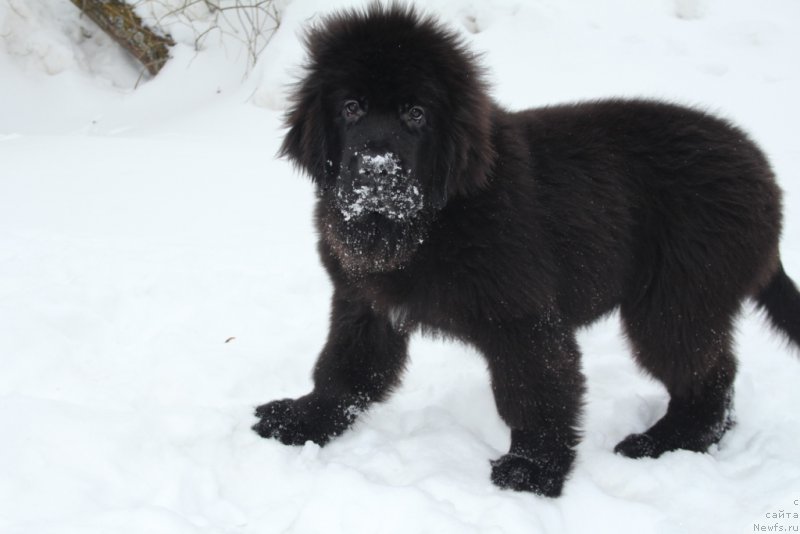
(142, 229)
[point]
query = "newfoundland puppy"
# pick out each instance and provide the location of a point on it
(442, 211)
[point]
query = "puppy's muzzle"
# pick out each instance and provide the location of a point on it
(380, 185)
(379, 166)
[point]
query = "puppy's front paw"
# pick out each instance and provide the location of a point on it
(310, 418)
(279, 420)
(520, 473)
(639, 446)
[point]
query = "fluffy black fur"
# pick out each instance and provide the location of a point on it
(510, 230)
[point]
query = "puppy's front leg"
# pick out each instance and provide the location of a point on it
(538, 388)
(360, 363)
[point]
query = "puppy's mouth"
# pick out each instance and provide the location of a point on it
(378, 185)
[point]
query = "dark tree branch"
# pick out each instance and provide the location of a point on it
(118, 20)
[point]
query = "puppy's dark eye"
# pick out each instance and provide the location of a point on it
(416, 114)
(351, 108)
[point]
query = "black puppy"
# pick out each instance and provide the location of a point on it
(440, 210)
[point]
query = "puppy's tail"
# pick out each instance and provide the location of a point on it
(781, 300)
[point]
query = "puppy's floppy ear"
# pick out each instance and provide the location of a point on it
(293, 146)
(472, 121)
(305, 143)
(440, 195)
(465, 154)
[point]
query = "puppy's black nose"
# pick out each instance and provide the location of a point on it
(378, 165)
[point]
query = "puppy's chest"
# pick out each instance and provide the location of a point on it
(398, 299)
(426, 314)
(429, 302)
(399, 317)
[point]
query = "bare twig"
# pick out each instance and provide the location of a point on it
(249, 22)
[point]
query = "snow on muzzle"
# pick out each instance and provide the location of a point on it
(381, 186)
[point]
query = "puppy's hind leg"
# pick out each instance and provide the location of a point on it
(692, 357)
(360, 364)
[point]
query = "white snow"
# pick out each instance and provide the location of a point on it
(142, 228)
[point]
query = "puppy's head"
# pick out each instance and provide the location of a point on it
(391, 120)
